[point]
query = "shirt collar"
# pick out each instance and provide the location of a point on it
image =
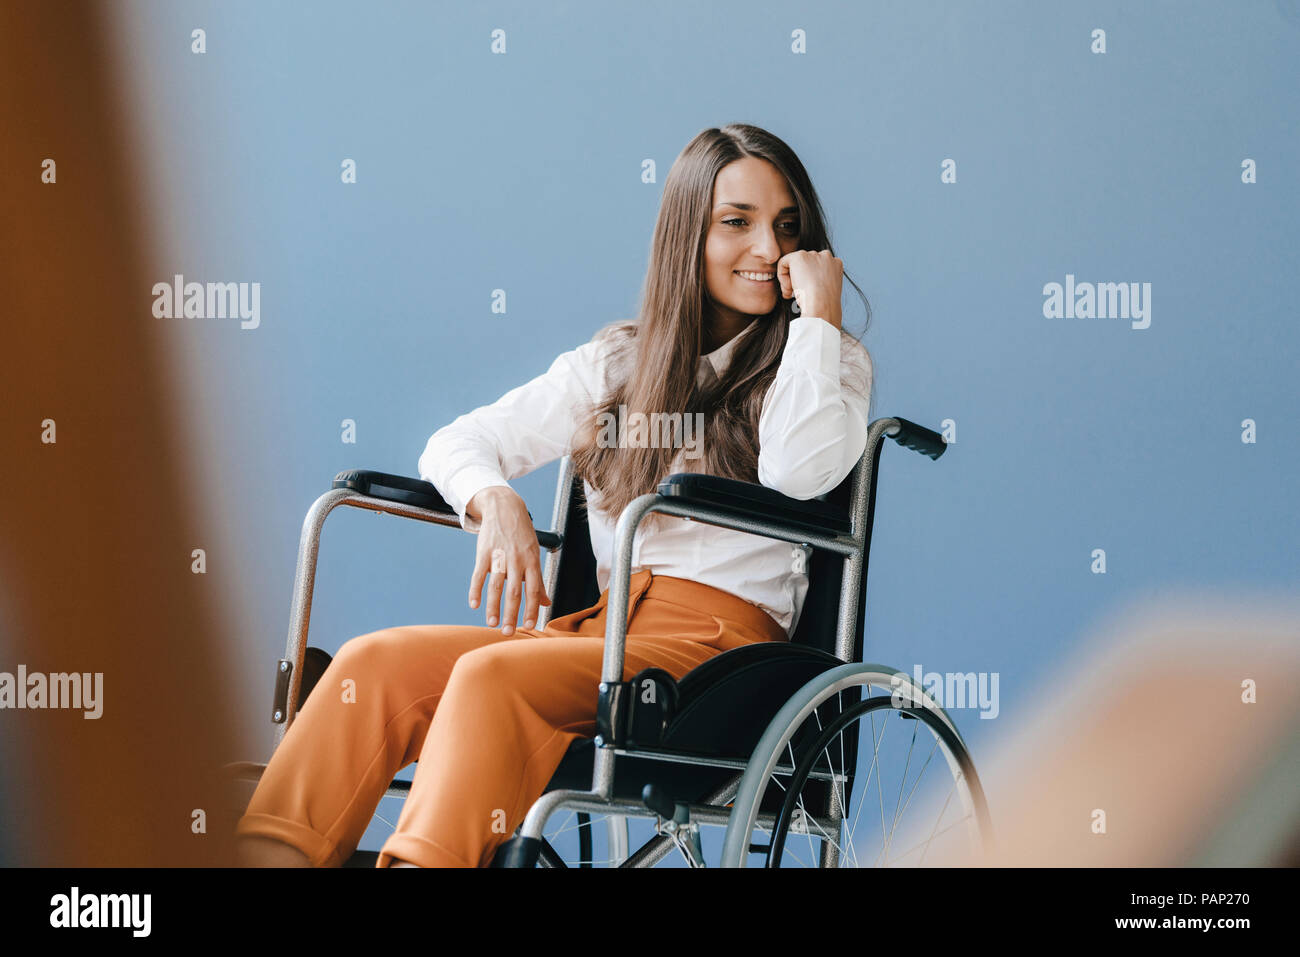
(720, 358)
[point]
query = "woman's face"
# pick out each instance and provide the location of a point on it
(749, 240)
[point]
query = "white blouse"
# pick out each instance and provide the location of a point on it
(811, 434)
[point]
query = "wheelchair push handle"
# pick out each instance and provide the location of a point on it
(411, 491)
(918, 438)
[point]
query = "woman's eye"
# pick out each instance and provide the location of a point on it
(793, 226)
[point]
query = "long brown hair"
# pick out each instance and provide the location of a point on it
(659, 353)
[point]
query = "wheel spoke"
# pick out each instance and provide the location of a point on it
(926, 843)
(875, 758)
(830, 838)
(844, 803)
(856, 813)
(571, 823)
(894, 826)
(825, 835)
(839, 780)
(807, 829)
(951, 791)
(903, 780)
(566, 827)
(915, 782)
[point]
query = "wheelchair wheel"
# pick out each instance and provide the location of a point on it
(847, 777)
(582, 839)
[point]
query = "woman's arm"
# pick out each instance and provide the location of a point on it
(523, 430)
(812, 429)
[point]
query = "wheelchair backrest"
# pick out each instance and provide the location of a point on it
(576, 586)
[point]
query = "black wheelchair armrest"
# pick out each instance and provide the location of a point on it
(750, 500)
(412, 491)
(394, 488)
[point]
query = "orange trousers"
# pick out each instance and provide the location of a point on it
(488, 718)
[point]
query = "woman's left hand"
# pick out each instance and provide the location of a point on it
(814, 279)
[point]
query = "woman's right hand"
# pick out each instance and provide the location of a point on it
(508, 557)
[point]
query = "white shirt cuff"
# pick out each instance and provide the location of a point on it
(463, 485)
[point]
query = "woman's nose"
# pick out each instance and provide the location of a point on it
(766, 247)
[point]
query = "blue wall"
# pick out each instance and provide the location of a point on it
(522, 171)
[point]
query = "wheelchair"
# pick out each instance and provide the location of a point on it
(762, 739)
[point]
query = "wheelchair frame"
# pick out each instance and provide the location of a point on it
(411, 498)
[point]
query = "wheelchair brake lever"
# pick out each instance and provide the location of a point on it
(673, 819)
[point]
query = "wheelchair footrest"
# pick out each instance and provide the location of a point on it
(518, 852)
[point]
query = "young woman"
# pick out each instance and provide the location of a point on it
(489, 712)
